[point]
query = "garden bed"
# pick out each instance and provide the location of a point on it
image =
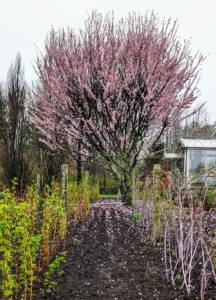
(107, 258)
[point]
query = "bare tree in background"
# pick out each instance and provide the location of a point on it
(14, 126)
(197, 126)
(47, 161)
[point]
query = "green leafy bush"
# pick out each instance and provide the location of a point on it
(210, 200)
(32, 232)
(54, 268)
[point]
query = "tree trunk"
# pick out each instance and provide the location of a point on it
(125, 189)
(79, 163)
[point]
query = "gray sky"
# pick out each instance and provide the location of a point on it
(25, 23)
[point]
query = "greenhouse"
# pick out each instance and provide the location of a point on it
(197, 155)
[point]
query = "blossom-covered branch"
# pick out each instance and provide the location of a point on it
(114, 88)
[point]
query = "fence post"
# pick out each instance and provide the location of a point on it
(119, 197)
(64, 182)
(133, 188)
(38, 182)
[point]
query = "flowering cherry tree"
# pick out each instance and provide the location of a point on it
(114, 88)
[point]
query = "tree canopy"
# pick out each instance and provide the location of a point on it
(114, 88)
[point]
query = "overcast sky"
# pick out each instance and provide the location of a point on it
(25, 23)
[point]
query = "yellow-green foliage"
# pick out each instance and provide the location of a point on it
(78, 200)
(7, 212)
(31, 234)
(95, 179)
(54, 267)
(209, 200)
(155, 199)
(53, 227)
(19, 243)
(95, 193)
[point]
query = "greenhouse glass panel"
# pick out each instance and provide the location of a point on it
(196, 161)
(210, 158)
(211, 162)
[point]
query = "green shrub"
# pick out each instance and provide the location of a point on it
(32, 231)
(95, 193)
(210, 200)
(78, 195)
(136, 216)
(53, 270)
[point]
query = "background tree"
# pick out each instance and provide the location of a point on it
(196, 126)
(199, 125)
(14, 126)
(47, 161)
(114, 89)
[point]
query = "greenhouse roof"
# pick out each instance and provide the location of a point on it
(197, 143)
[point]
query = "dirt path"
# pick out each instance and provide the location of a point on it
(108, 260)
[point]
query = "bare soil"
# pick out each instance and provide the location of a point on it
(107, 258)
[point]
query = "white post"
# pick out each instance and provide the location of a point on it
(134, 192)
(38, 182)
(64, 181)
(119, 197)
